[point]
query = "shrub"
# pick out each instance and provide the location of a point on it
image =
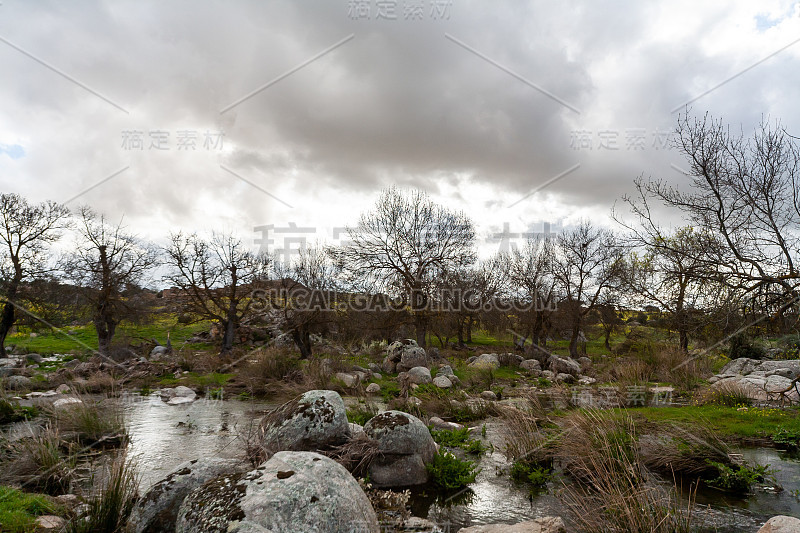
(738, 478)
(10, 412)
(523, 434)
(457, 438)
(448, 472)
(741, 346)
(537, 474)
(787, 439)
(684, 451)
(453, 438)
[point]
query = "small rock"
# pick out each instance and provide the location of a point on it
(445, 370)
(18, 382)
(349, 380)
(486, 361)
(781, 524)
(531, 365)
(373, 388)
(67, 500)
(158, 353)
(586, 380)
(421, 525)
(374, 367)
(489, 395)
(66, 402)
(419, 375)
(565, 378)
(547, 524)
(63, 389)
(547, 374)
(356, 430)
(50, 522)
(440, 424)
(377, 375)
(35, 358)
(180, 395)
(442, 382)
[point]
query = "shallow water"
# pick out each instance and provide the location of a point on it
(164, 436)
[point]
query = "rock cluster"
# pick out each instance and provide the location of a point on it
(761, 380)
(405, 446)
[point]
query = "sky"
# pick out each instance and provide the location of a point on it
(281, 121)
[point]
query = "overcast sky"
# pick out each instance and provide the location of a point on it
(300, 112)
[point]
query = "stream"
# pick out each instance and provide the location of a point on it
(164, 436)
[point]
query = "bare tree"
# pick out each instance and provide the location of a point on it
(25, 232)
(675, 269)
(530, 273)
(404, 244)
(107, 263)
(586, 263)
(217, 276)
(304, 296)
(746, 191)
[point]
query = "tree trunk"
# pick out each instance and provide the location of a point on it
(684, 339)
(8, 316)
(302, 339)
(573, 341)
(608, 339)
(230, 326)
(420, 325)
(469, 329)
(461, 333)
(6, 323)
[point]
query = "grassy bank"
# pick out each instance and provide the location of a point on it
(736, 424)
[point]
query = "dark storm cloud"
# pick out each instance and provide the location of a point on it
(399, 102)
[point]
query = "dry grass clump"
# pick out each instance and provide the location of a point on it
(632, 372)
(42, 462)
(679, 368)
(613, 491)
(728, 394)
(110, 506)
(682, 451)
(356, 455)
(523, 434)
(91, 422)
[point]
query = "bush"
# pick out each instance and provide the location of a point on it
(738, 478)
(448, 472)
(457, 438)
(10, 412)
(537, 474)
(742, 347)
(453, 438)
(612, 493)
(787, 439)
